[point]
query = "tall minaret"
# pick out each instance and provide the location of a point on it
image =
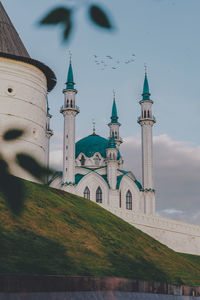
(147, 120)
(69, 111)
(114, 124)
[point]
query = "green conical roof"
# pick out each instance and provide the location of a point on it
(146, 95)
(70, 78)
(114, 117)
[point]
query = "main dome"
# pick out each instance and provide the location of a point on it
(91, 144)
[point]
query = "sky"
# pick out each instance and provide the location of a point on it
(164, 34)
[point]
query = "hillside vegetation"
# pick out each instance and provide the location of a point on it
(59, 233)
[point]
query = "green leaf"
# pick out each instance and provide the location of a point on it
(29, 164)
(12, 134)
(99, 17)
(13, 189)
(58, 15)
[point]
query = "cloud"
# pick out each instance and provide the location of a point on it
(176, 170)
(177, 175)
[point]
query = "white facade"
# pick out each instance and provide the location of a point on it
(99, 176)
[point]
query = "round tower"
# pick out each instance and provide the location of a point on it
(23, 93)
(112, 163)
(69, 111)
(147, 120)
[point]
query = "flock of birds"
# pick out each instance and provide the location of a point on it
(109, 62)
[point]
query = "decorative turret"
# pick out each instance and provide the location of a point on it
(114, 124)
(147, 120)
(69, 111)
(112, 163)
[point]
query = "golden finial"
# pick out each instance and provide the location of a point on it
(114, 93)
(94, 125)
(70, 56)
(145, 68)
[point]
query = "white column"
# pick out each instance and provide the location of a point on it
(69, 146)
(146, 120)
(112, 165)
(69, 111)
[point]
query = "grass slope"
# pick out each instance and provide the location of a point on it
(60, 233)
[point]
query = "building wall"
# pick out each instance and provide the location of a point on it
(179, 236)
(23, 90)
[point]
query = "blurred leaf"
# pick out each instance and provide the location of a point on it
(58, 15)
(12, 134)
(67, 30)
(13, 189)
(29, 164)
(99, 17)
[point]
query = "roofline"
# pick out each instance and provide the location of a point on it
(50, 75)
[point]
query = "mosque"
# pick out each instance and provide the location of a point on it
(92, 166)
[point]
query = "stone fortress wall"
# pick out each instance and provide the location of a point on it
(179, 236)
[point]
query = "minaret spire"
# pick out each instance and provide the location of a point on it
(147, 120)
(69, 111)
(114, 123)
(70, 77)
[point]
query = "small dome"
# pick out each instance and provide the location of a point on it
(92, 144)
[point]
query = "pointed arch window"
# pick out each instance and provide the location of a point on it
(96, 160)
(82, 160)
(99, 195)
(148, 114)
(86, 193)
(71, 103)
(145, 114)
(129, 200)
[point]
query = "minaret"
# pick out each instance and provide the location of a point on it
(69, 111)
(49, 134)
(114, 124)
(112, 163)
(147, 120)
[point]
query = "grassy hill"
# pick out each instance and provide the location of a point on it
(60, 233)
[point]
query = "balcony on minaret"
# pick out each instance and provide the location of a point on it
(69, 106)
(148, 118)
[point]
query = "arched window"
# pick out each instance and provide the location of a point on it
(145, 114)
(96, 160)
(82, 160)
(115, 134)
(128, 200)
(67, 102)
(148, 114)
(86, 193)
(99, 195)
(71, 104)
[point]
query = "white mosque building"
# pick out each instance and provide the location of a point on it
(93, 166)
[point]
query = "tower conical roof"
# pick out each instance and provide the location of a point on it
(146, 95)
(114, 117)
(11, 47)
(10, 42)
(70, 78)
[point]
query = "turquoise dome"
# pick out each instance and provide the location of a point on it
(91, 144)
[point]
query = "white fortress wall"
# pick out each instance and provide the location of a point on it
(23, 105)
(179, 236)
